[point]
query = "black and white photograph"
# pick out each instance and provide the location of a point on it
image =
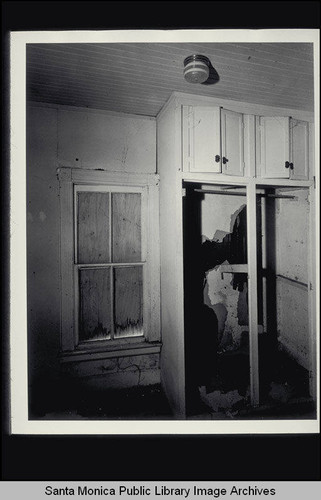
(171, 232)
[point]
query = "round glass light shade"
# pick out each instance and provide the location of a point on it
(196, 68)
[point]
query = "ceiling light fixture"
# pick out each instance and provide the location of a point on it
(196, 68)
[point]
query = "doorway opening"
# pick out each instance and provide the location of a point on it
(216, 305)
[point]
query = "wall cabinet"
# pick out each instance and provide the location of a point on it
(232, 142)
(283, 148)
(191, 132)
(299, 153)
(213, 140)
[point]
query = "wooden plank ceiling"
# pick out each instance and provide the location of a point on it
(139, 77)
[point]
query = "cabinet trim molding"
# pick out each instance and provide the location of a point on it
(182, 99)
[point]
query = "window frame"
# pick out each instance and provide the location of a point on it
(72, 181)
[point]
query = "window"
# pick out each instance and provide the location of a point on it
(109, 259)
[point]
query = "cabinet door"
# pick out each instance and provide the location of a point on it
(274, 147)
(299, 137)
(201, 139)
(232, 143)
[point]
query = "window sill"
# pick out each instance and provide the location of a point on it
(85, 352)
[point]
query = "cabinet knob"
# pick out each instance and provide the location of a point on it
(217, 158)
(291, 166)
(287, 164)
(225, 160)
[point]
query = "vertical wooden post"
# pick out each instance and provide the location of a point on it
(264, 263)
(252, 290)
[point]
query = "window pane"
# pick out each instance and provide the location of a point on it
(95, 306)
(93, 228)
(128, 307)
(126, 208)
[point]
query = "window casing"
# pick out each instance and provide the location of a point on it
(109, 260)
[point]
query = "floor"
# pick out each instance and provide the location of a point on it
(149, 403)
(284, 395)
(137, 403)
(284, 388)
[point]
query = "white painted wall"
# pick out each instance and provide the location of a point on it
(293, 321)
(43, 221)
(111, 141)
(292, 227)
(57, 135)
(292, 234)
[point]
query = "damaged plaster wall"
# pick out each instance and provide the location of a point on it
(58, 135)
(112, 141)
(292, 223)
(230, 306)
(120, 372)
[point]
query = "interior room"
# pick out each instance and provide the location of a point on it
(171, 231)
